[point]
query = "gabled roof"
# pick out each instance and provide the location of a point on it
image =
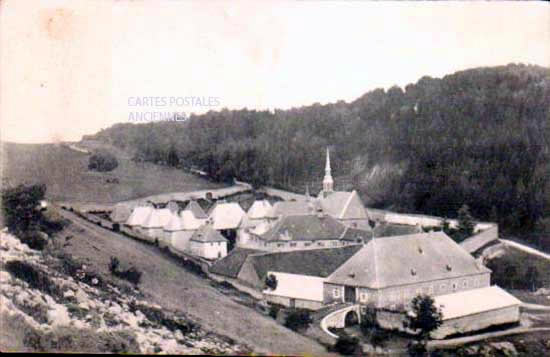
(158, 218)
(196, 209)
(312, 227)
(291, 208)
(259, 209)
(121, 212)
(313, 262)
(173, 206)
(470, 302)
(403, 260)
(344, 205)
(389, 229)
(174, 224)
(189, 222)
(227, 215)
(355, 234)
(231, 264)
(139, 215)
(207, 234)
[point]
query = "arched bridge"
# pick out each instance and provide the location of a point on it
(347, 316)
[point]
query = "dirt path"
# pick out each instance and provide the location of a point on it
(525, 248)
(166, 283)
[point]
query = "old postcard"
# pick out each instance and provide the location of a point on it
(298, 178)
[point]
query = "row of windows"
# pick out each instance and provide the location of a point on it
(396, 296)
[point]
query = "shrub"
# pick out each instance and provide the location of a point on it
(347, 345)
(36, 278)
(271, 282)
(102, 161)
(113, 265)
(298, 319)
(34, 239)
(19, 205)
(274, 311)
(132, 274)
(371, 329)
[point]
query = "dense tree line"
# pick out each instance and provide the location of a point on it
(478, 137)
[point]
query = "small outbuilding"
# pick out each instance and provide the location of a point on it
(208, 243)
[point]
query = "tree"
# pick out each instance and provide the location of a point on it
(532, 278)
(424, 318)
(271, 282)
(102, 161)
(347, 345)
(20, 204)
(371, 329)
(466, 222)
(298, 319)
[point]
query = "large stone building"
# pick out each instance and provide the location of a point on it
(390, 271)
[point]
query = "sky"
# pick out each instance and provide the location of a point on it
(70, 68)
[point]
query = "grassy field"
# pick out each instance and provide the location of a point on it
(65, 172)
(167, 283)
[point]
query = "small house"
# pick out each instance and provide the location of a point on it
(208, 243)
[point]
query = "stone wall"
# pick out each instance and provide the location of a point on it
(477, 321)
(404, 294)
(479, 240)
(298, 303)
(400, 295)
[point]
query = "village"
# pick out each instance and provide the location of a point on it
(326, 253)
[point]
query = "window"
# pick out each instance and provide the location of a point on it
(363, 297)
(279, 245)
(292, 244)
(454, 286)
(336, 293)
(443, 287)
(465, 283)
(321, 244)
(307, 244)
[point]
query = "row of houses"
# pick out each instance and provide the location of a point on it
(328, 250)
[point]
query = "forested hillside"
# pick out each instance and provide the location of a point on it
(479, 137)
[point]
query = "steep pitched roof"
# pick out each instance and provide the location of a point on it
(196, 209)
(314, 262)
(158, 218)
(409, 259)
(174, 224)
(231, 264)
(388, 230)
(173, 206)
(259, 209)
(139, 215)
(354, 234)
(207, 234)
(189, 222)
(121, 212)
(227, 215)
(344, 205)
(291, 208)
(310, 227)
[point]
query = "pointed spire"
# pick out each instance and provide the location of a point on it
(327, 181)
(327, 166)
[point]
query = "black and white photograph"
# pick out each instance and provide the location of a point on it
(275, 178)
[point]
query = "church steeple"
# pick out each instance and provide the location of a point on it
(328, 183)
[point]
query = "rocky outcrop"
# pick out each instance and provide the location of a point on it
(82, 313)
